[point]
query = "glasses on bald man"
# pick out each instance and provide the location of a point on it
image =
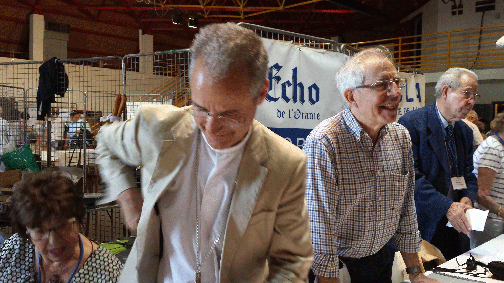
(385, 84)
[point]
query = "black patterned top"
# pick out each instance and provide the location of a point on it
(17, 259)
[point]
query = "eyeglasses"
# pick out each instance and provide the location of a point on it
(383, 85)
(231, 120)
(468, 95)
(63, 230)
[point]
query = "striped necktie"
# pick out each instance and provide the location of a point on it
(451, 144)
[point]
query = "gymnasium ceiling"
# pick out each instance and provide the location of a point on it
(321, 18)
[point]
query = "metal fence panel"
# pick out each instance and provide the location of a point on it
(156, 78)
(18, 90)
(293, 38)
(92, 86)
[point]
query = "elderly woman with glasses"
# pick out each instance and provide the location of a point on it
(489, 167)
(47, 211)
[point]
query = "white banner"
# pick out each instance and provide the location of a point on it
(413, 96)
(302, 89)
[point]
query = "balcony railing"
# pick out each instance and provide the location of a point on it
(468, 48)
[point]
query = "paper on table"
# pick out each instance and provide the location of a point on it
(476, 217)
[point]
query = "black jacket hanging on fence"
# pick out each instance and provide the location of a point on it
(53, 80)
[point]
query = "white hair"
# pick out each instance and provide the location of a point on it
(227, 49)
(351, 75)
(451, 78)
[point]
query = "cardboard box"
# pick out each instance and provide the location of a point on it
(9, 178)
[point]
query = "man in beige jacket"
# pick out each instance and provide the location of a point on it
(223, 196)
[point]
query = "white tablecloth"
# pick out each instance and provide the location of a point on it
(492, 250)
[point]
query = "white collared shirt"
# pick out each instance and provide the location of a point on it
(443, 121)
(217, 172)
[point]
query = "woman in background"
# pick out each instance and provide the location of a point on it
(489, 168)
(47, 212)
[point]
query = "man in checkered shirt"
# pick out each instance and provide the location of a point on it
(361, 179)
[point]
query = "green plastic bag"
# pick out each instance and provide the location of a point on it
(21, 158)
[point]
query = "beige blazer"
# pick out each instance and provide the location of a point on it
(267, 237)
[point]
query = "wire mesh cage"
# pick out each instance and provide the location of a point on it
(92, 86)
(105, 224)
(156, 78)
(85, 93)
(18, 121)
(87, 89)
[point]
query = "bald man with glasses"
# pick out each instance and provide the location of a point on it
(445, 187)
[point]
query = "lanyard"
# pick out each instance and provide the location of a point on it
(76, 267)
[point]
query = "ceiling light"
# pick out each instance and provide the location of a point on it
(177, 19)
(193, 22)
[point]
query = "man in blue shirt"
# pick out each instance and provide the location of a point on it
(76, 126)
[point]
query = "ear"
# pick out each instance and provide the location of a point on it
(263, 94)
(349, 95)
(444, 91)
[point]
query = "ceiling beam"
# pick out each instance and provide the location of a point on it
(361, 8)
(108, 35)
(198, 8)
(22, 2)
(100, 12)
(130, 11)
(16, 4)
(15, 20)
(83, 9)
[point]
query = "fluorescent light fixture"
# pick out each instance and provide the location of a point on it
(193, 22)
(177, 19)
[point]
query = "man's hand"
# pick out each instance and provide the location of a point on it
(421, 278)
(467, 201)
(131, 202)
(456, 216)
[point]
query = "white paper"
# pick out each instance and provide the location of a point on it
(477, 219)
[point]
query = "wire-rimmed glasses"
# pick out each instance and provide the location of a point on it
(63, 230)
(231, 120)
(469, 95)
(385, 84)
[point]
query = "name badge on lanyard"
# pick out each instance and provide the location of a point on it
(458, 183)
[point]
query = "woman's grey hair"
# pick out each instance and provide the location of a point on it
(227, 49)
(351, 75)
(497, 124)
(451, 78)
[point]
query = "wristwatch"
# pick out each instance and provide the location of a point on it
(414, 269)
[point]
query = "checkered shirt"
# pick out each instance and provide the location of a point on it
(359, 196)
